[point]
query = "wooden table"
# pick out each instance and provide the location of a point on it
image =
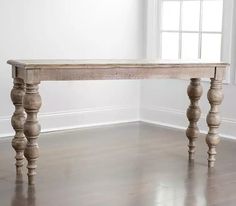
(28, 74)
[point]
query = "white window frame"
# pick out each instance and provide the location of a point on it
(153, 51)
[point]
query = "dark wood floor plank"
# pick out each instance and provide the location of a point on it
(135, 164)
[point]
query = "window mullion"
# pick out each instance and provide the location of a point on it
(180, 29)
(200, 30)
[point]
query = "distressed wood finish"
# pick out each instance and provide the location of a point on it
(32, 72)
(215, 96)
(46, 70)
(193, 114)
(17, 121)
(32, 104)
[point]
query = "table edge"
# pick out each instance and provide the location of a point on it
(19, 64)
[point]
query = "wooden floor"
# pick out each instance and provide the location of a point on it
(135, 164)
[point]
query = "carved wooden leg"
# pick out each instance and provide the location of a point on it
(32, 104)
(17, 121)
(215, 97)
(193, 114)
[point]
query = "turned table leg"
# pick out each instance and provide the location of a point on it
(32, 104)
(17, 121)
(215, 97)
(193, 114)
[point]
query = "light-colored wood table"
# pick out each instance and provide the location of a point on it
(28, 74)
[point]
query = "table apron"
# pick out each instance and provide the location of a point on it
(49, 74)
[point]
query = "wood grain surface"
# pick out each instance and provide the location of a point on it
(135, 164)
(34, 71)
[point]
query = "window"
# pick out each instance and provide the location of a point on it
(191, 29)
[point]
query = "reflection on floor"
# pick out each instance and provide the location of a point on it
(135, 164)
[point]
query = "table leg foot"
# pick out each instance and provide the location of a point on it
(215, 97)
(32, 104)
(193, 114)
(17, 121)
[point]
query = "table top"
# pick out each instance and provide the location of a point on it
(111, 63)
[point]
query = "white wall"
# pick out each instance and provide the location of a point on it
(76, 29)
(94, 29)
(165, 101)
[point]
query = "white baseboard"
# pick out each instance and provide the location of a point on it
(112, 115)
(78, 118)
(177, 119)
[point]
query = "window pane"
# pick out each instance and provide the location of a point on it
(170, 15)
(170, 45)
(190, 46)
(191, 15)
(211, 46)
(212, 15)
